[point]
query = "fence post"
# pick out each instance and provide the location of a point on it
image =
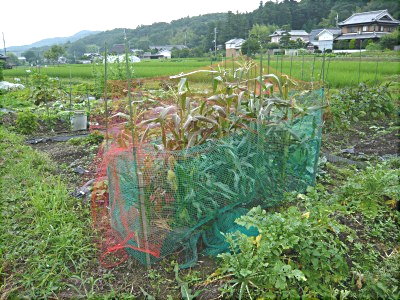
(359, 66)
(291, 64)
(376, 72)
(105, 92)
(313, 68)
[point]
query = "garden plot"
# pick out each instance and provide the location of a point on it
(349, 216)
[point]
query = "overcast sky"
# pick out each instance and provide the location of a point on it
(27, 21)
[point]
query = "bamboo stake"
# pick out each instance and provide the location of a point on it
(268, 61)
(291, 64)
(70, 97)
(105, 92)
(359, 66)
(327, 71)
(376, 72)
(312, 72)
(138, 173)
(302, 69)
(88, 101)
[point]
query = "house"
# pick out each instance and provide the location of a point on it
(22, 60)
(121, 58)
(294, 35)
(162, 54)
(370, 25)
(325, 37)
(62, 60)
(91, 56)
(233, 47)
(3, 57)
(167, 47)
(118, 49)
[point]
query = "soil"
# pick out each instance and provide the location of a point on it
(68, 158)
(364, 141)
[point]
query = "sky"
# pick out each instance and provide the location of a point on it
(26, 21)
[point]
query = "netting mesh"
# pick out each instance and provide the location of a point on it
(161, 201)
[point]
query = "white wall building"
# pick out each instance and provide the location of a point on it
(294, 35)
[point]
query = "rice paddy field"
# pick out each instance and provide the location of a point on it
(339, 71)
(144, 69)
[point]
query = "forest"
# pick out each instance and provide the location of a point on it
(197, 33)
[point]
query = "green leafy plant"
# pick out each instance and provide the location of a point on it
(364, 102)
(295, 254)
(44, 89)
(26, 123)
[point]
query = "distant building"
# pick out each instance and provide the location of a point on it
(294, 35)
(118, 49)
(167, 47)
(162, 54)
(233, 47)
(3, 57)
(323, 38)
(370, 25)
(62, 60)
(22, 60)
(121, 58)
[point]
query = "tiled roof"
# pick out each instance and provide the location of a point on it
(369, 17)
(335, 31)
(236, 42)
(291, 32)
(357, 36)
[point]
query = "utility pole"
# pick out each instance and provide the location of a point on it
(4, 44)
(215, 42)
(186, 37)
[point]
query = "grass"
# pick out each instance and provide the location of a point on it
(43, 231)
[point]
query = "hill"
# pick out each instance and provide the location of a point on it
(198, 32)
(51, 41)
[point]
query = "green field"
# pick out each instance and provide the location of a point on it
(339, 71)
(144, 69)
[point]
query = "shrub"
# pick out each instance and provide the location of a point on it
(26, 122)
(388, 41)
(352, 44)
(373, 47)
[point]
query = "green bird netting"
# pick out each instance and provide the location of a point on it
(162, 201)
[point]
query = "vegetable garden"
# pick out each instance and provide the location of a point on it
(207, 184)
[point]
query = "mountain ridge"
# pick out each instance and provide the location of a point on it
(52, 41)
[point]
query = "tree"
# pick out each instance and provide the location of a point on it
(12, 59)
(54, 53)
(390, 40)
(284, 41)
(30, 56)
(250, 47)
(261, 33)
